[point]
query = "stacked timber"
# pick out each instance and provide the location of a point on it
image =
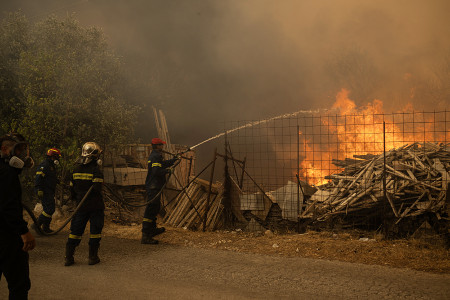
(408, 181)
(192, 206)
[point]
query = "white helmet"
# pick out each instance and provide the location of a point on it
(90, 151)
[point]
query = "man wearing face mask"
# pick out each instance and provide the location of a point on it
(87, 175)
(45, 185)
(15, 239)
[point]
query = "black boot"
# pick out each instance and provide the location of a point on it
(148, 239)
(70, 251)
(157, 230)
(46, 227)
(153, 230)
(93, 254)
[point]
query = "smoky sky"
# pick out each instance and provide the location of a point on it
(206, 62)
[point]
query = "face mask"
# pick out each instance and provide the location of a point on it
(22, 160)
(18, 163)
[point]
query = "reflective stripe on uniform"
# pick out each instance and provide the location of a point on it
(46, 214)
(156, 165)
(96, 236)
(83, 176)
(40, 173)
(97, 180)
(147, 220)
(74, 237)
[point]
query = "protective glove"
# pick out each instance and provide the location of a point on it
(40, 194)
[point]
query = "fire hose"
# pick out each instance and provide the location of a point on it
(38, 228)
(160, 191)
(179, 192)
(165, 184)
(41, 232)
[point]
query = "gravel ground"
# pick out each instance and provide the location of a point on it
(350, 246)
(130, 270)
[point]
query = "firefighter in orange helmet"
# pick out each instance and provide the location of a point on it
(45, 185)
(155, 181)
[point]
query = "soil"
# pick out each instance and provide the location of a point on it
(348, 246)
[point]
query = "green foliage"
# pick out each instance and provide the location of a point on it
(13, 41)
(62, 86)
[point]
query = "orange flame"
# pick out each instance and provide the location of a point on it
(359, 131)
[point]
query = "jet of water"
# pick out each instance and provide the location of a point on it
(256, 123)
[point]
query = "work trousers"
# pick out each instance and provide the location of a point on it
(48, 205)
(151, 211)
(14, 266)
(79, 221)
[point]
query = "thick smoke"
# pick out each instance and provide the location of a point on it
(204, 62)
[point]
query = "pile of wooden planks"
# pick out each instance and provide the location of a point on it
(190, 207)
(411, 180)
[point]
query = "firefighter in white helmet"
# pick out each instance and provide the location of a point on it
(87, 174)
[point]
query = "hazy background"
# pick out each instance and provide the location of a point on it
(206, 62)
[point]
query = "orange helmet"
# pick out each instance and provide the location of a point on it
(53, 152)
(157, 141)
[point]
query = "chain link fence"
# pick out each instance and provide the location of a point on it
(312, 167)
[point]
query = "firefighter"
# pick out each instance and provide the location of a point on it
(15, 239)
(45, 185)
(87, 174)
(156, 178)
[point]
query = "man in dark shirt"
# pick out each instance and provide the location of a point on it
(15, 239)
(155, 181)
(87, 177)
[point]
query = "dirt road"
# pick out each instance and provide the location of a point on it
(130, 270)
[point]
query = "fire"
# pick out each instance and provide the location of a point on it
(360, 131)
(317, 165)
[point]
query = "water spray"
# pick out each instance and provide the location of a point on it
(251, 124)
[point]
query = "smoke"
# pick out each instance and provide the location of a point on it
(204, 62)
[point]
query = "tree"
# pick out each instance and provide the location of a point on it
(68, 84)
(13, 41)
(61, 86)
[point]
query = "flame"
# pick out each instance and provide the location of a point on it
(359, 131)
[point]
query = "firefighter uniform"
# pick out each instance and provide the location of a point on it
(45, 185)
(84, 177)
(156, 178)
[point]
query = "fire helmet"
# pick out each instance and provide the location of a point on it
(157, 141)
(91, 150)
(53, 152)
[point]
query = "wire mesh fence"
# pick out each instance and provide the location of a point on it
(365, 170)
(324, 167)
